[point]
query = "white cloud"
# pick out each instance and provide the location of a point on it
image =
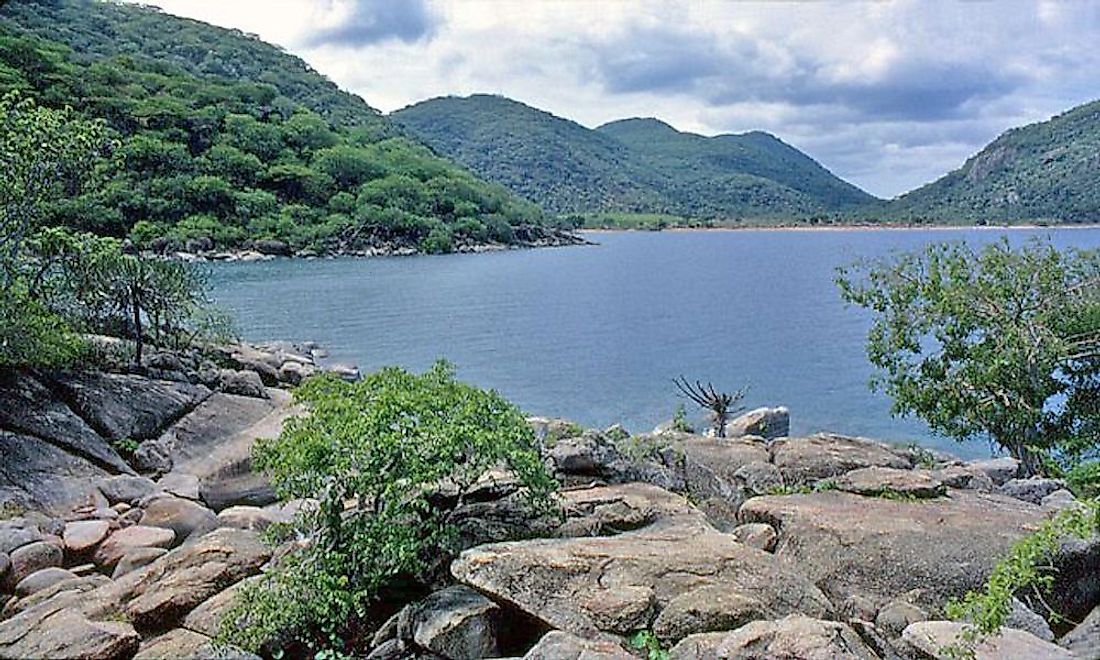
(888, 94)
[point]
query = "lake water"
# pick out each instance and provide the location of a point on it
(597, 334)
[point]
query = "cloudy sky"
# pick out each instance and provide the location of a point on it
(888, 95)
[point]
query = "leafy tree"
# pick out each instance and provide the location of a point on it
(44, 155)
(389, 459)
(1001, 343)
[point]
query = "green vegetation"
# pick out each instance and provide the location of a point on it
(222, 139)
(822, 486)
(637, 172)
(389, 459)
(1044, 172)
(647, 642)
(1025, 572)
(1003, 344)
(679, 420)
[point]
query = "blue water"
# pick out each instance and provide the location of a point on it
(596, 334)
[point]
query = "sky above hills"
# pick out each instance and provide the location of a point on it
(888, 95)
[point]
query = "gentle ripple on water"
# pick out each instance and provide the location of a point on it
(597, 333)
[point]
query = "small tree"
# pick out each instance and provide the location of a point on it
(720, 404)
(376, 454)
(1003, 343)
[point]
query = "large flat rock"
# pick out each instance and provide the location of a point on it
(38, 475)
(622, 583)
(29, 407)
(880, 548)
(121, 406)
(826, 455)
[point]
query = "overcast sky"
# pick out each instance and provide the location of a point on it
(889, 95)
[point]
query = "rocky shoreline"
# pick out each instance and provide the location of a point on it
(203, 250)
(131, 517)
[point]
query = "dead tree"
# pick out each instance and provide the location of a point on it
(721, 404)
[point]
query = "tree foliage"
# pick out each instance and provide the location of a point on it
(1001, 343)
(389, 459)
(223, 139)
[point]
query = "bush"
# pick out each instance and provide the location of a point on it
(389, 459)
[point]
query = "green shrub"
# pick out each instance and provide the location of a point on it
(377, 454)
(1025, 570)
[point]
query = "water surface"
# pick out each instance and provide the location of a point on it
(596, 334)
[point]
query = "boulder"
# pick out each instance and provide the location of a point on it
(41, 579)
(559, 645)
(184, 517)
(1084, 639)
(38, 475)
(12, 538)
(159, 595)
(294, 373)
(827, 456)
(755, 535)
(29, 408)
(620, 583)
(891, 481)
(136, 558)
(1032, 489)
(5, 567)
(1021, 617)
(879, 548)
(128, 539)
(894, 617)
(794, 636)
(249, 517)
(944, 640)
(207, 617)
(999, 470)
(127, 488)
(57, 629)
(457, 623)
(963, 477)
(183, 644)
(31, 558)
(272, 247)
(1059, 500)
(243, 383)
(767, 423)
(180, 485)
(214, 443)
(64, 588)
(606, 510)
(84, 535)
(121, 406)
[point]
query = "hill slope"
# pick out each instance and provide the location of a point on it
(1049, 171)
(700, 161)
(223, 138)
(636, 165)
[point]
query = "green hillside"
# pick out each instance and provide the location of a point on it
(224, 138)
(709, 162)
(1044, 172)
(635, 166)
(557, 163)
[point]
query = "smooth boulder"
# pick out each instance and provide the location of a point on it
(795, 636)
(945, 640)
(827, 456)
(851, 545)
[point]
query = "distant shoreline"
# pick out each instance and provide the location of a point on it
(843, 228)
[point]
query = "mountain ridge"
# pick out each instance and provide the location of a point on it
(618, 167)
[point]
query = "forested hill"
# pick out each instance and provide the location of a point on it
(225, 138)
(708, 162)
(637, 165)
(1049, 171)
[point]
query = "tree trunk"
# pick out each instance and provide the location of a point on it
(139, 339)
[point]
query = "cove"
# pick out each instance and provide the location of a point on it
(597, 333)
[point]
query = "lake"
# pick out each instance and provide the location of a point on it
(597, 333)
